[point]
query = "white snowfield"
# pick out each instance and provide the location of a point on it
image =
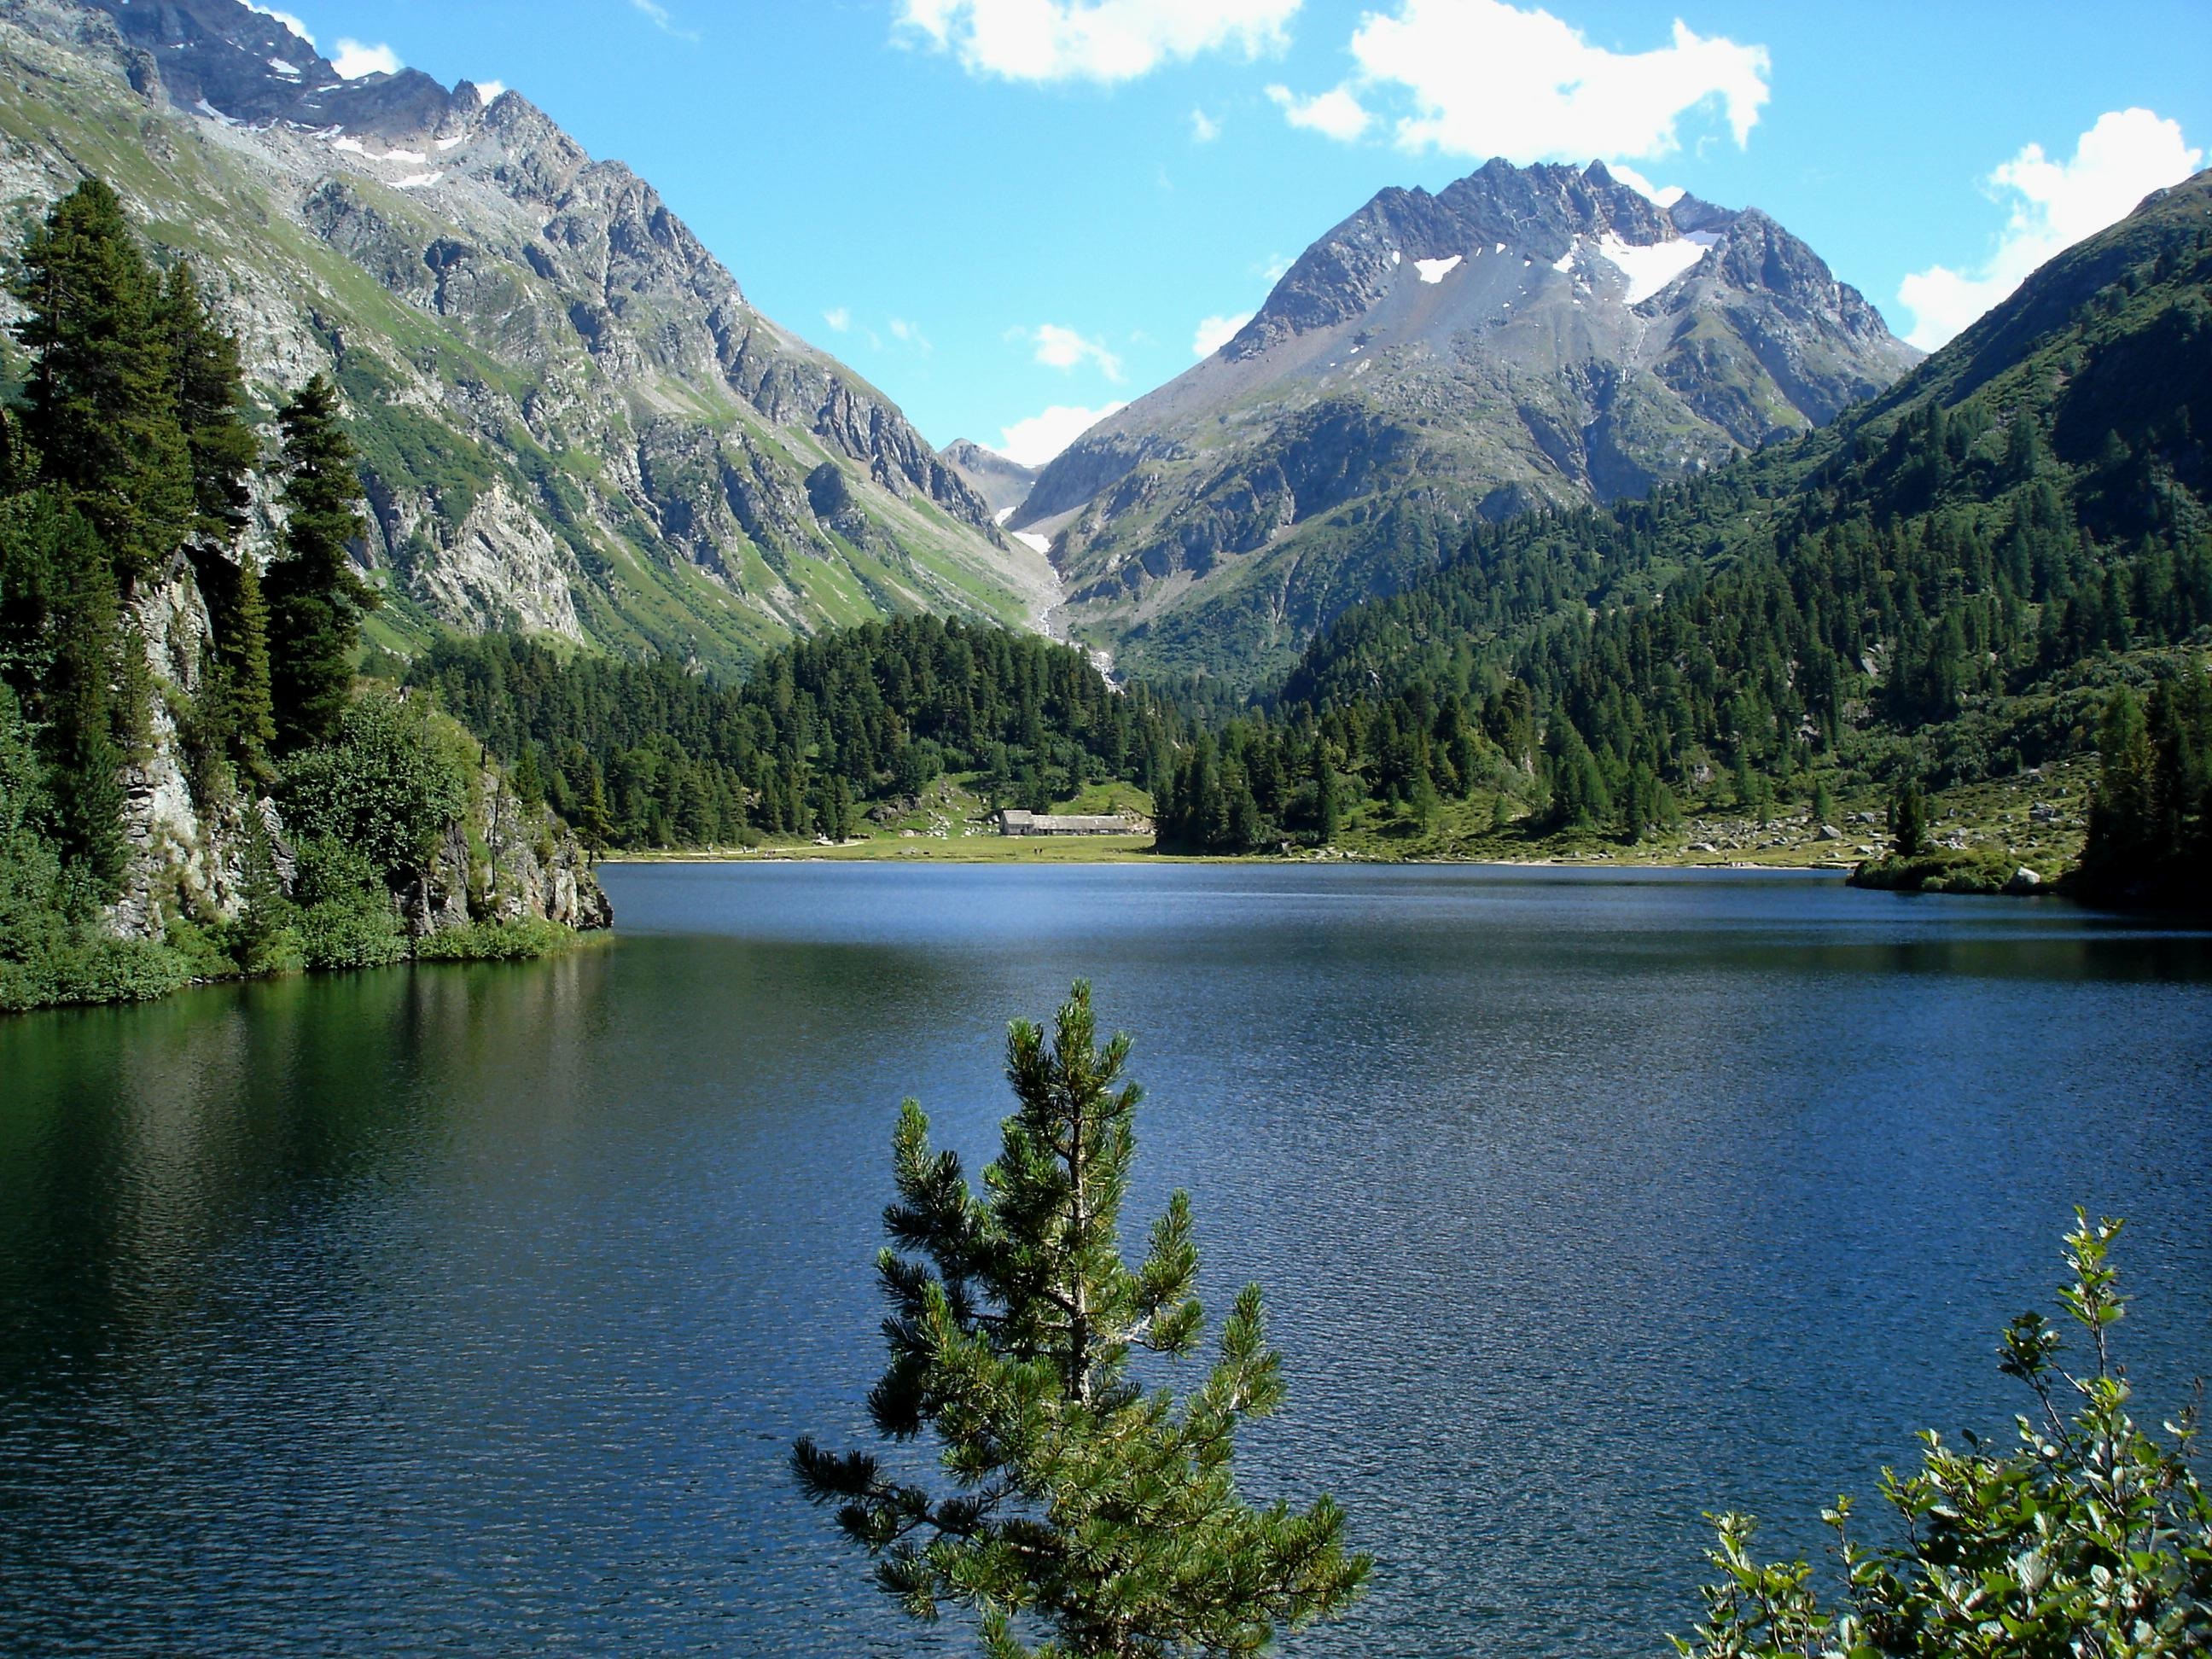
(1648, 268)
(402, 157)
(1435, 271)
(1034, 542)
(417, 180)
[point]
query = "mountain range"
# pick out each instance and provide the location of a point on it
(572, 421)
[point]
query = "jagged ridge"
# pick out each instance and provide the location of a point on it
(1527, 337)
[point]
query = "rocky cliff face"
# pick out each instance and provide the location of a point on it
(1004, 484)
(188, 830)
(571, 419)
(521, 866)
(1526, 338)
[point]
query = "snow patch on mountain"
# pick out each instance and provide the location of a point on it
(1435, 271)
(1648, 268)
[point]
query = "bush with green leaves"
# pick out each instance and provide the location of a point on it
(518, 940)
(1083, 1502)
(387, 787)
(2090, 1539)
(345, 917)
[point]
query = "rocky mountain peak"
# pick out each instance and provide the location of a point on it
(1003, 482)
(1538, 213)
(223, 59)
(1524, 337)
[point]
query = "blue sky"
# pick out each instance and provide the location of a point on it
(996, 208)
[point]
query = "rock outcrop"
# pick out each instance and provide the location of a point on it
(188, 830)
(1003, 482)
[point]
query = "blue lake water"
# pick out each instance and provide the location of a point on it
(475, 1308)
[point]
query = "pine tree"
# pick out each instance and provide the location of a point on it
(210, 394)
(1325, 806)
(61, 642)
(1083, 1502)
(244, 645)
(1908, 820)
(315, 600)
(101, 399)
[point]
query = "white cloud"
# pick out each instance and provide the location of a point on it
(1037, 439)
(1665, 196)
(1485, 78)
(355, 60)
(660, 19)
(2053, 204)
(908, 333)
(1105, 41)
(1064, 348)
(1276, 268)
(1204, 128)
(488, 92)
(285, 18)
(1337, 112)
(839, 318)
(1215, 332)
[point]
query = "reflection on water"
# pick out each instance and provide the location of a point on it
(476, 1307)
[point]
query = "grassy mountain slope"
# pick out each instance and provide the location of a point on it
(573, 421)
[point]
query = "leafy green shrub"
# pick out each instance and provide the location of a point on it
(2091, 1540)
(345, 913)
(387, 787)
(1940, 871)
(495, 941)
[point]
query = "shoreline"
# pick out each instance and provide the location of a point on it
(1070, 854)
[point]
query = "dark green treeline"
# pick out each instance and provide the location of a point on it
(647, 755)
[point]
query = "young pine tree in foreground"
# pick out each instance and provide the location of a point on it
(1081, 1502)
(2090, 1539)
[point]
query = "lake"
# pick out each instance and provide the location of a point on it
(475, 1308)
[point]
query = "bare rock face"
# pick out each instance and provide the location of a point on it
(1004, 484)
(530, 868)
(185, 842)
(1527, 337)
(188, 829)
(522, 334)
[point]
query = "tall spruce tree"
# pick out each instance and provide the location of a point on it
(101, 401)
(62, 645)
(316, 601)
(249, 703)
(210, 395)
(1082, 1502)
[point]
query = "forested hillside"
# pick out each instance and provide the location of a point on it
(646, 755)
(1947, 584)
